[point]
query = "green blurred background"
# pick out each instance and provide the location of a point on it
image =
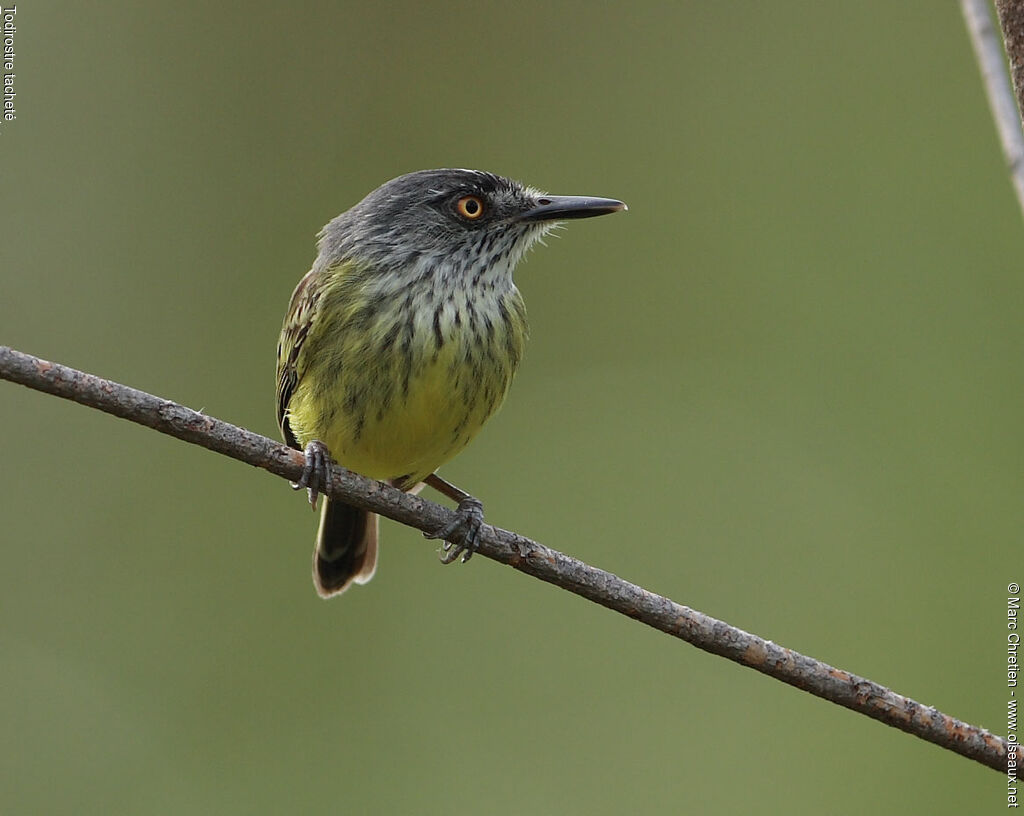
(784, 389)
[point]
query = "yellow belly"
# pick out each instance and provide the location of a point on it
(384, 425)
(416, 434)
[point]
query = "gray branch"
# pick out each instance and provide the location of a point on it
(1011, 21)
(989, 51)
(711, 635)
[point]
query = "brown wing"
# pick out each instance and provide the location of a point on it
(301, 313)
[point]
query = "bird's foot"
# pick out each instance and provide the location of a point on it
(461, 533)
(316, 475)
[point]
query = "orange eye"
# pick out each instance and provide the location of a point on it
(470, 207)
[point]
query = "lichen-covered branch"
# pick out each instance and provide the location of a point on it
(856, 693)
(1011, 21)
(989, 52)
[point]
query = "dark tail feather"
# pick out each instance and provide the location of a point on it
(346, 548)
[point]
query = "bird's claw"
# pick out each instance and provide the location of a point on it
(461, 533)
(316, 474)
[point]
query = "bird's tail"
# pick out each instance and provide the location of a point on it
(346, 548)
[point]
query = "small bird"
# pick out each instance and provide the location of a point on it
(402, 341)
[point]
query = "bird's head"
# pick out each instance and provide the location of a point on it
(461, 218)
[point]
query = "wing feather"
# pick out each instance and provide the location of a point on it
(302, 312)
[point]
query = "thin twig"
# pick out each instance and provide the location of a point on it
(1011, 21)
(989, 51)
(711, 635)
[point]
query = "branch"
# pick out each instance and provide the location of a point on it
(1011, 21)
(711, 635)
(989, 52)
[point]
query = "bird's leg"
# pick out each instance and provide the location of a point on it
(315, 476)
(464, 528)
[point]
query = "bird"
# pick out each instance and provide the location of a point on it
(402, 340)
